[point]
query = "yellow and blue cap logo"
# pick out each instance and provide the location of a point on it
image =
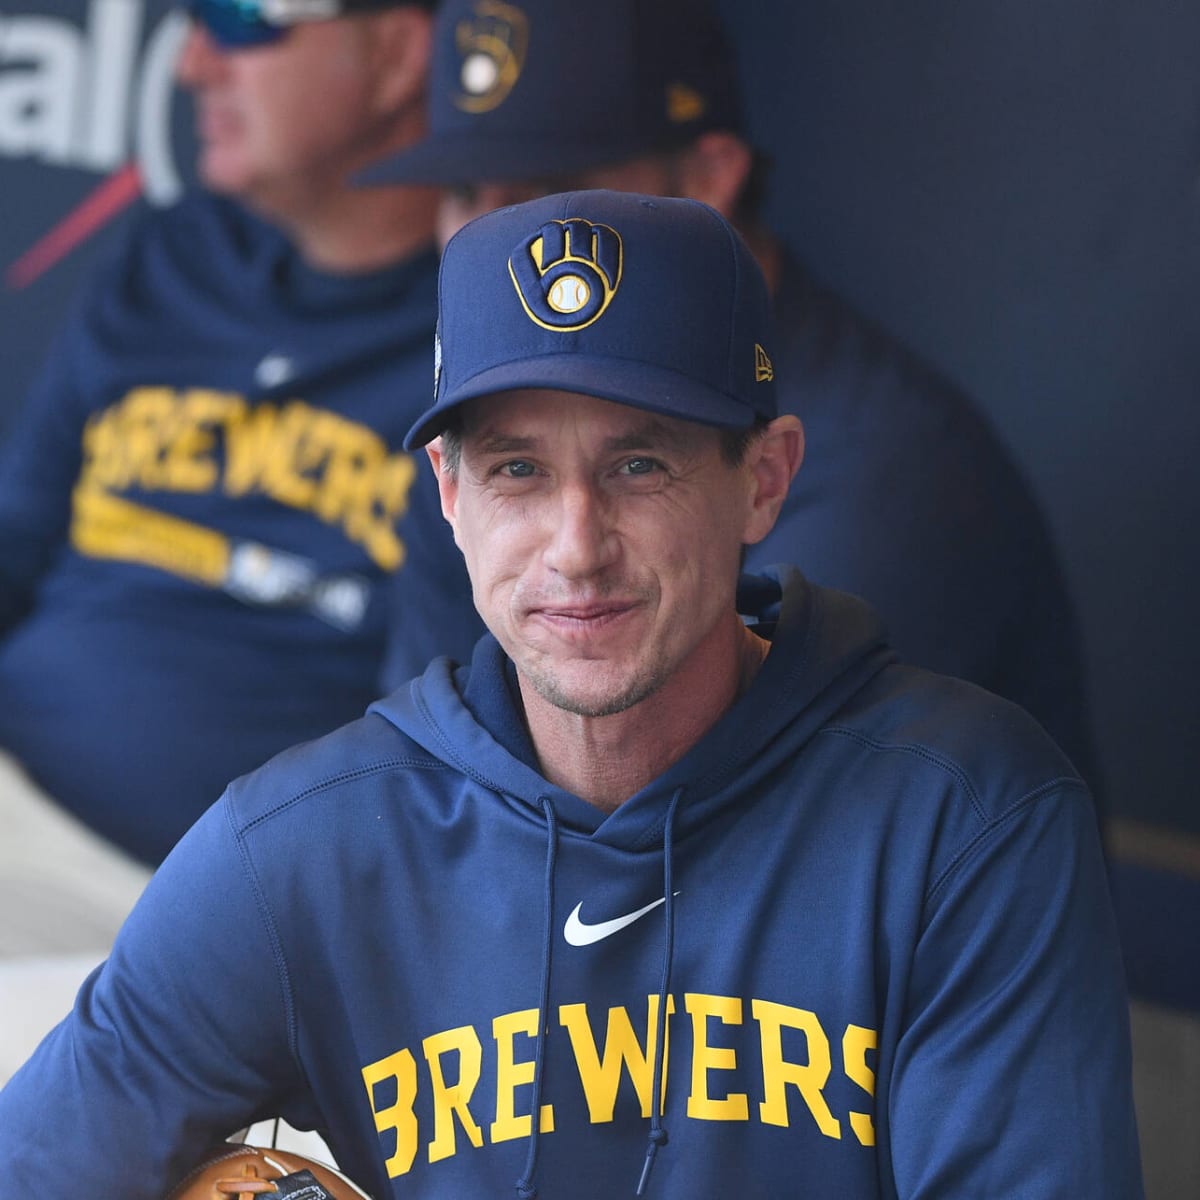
(491, 44)
(567, 273)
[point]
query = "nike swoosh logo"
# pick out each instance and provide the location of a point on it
(579, 933)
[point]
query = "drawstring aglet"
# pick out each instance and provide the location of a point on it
(658, 1137)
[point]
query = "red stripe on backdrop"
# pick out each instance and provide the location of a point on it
(117, 192)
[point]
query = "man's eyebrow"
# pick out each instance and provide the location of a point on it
(499, 442)
(649, 435)
(652, 434)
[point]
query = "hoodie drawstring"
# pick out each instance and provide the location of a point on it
(526, 1189)
(658, 1131)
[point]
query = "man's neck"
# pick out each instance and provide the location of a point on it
(350, 230)
(605, 760)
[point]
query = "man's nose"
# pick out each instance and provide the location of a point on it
(200, 58)
(583, 540)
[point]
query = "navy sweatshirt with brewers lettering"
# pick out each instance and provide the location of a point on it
(862, 929)
(201, 517)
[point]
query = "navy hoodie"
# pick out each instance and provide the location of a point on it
(201, 517)
(865, 917)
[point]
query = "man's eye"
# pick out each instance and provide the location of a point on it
(641, 466)
(518, 469)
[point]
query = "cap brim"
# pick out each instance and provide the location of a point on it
(467, 158)
(652, 389)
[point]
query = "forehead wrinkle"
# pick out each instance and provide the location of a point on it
(496, 430)
(652, 433)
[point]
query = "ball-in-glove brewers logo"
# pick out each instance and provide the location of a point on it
(492, 47)
(567, 273)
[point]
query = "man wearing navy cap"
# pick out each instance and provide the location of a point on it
(910, 499)
(200, 509)
(682, 887)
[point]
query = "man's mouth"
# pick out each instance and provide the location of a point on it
(583, 618)
(585, 613)
(213, 123)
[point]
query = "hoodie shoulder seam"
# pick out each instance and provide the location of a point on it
(283, 973)
(375, 768)
(1060, 784)
(922, 752)
(989, 825)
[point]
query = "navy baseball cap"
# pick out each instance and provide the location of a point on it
(652, 302)
(539, 88)
(237, 23)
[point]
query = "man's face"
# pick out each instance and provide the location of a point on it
(652, 175)
(279, 119)
(602, 542)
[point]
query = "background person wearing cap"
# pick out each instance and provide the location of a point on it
(866, 904)
(198, 513)
(910, 499)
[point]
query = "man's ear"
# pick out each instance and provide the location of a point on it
(401, 42)
(714, 169)
(447, 481)
(773, 458)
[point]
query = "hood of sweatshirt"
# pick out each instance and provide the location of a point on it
(825, 646)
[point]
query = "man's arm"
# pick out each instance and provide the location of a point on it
(39, 464)
(180, 1039)
(1012, 1077)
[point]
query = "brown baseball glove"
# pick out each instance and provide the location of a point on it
(234, 1172)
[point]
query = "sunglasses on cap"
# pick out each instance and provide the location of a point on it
(234, 23)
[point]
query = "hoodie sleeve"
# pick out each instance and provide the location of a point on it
(1012, 1077)
(180, 1039)
(39, 464)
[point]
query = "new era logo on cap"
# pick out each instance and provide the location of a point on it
(684, 103)
(567, 272)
